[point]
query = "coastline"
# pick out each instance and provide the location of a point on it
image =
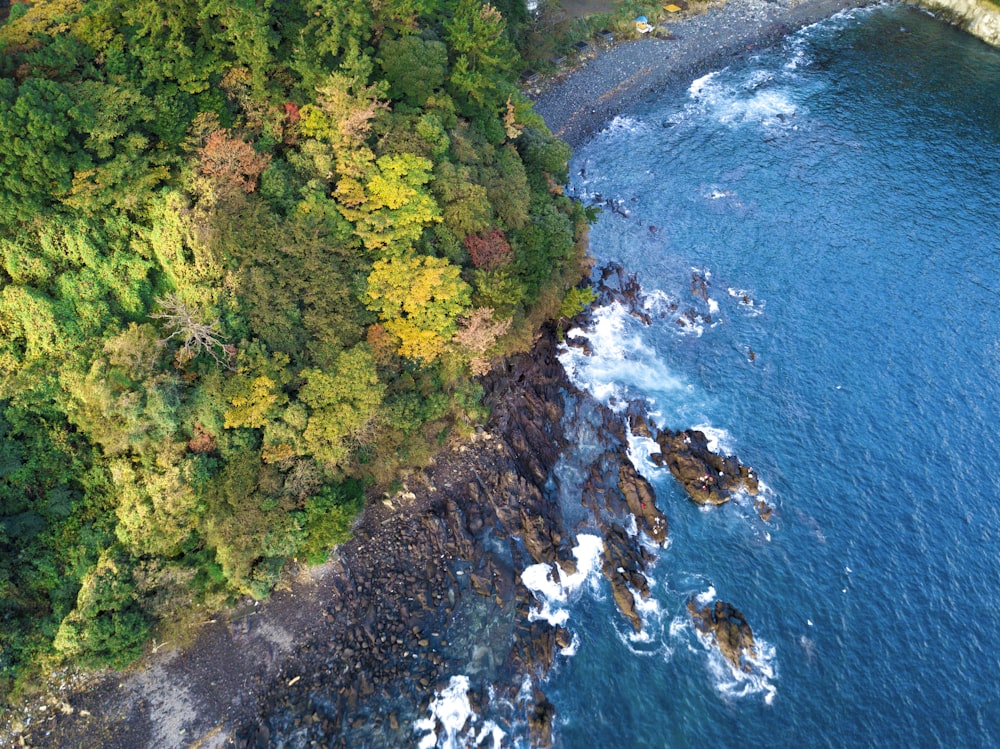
(578, 103)
(210, 693)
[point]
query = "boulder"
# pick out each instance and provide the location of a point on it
(641, 501)
(729, 630)
(540, 720)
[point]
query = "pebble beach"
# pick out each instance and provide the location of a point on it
(578, 102)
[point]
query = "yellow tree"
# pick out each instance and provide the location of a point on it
(390, 208)
(419, 300)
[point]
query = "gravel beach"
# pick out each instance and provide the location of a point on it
(577, 104)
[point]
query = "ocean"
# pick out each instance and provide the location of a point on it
(816, 229)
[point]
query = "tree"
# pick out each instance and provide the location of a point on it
(477, 333)
(107, 626)
(490, 250)
(197, 337)
(40, 148)
(255, 392)
(507, 188)
(419, 300)
(392, 208)
(342, 403)
(231, 162)
(414, 67)
(466, 205)
(484, 57)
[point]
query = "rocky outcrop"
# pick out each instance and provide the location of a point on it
(426, 563)
(729, 630)
(707, 477)
(978, 17)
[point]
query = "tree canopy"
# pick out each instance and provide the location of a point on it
(252, 255)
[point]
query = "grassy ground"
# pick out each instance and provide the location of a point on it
(582, 8)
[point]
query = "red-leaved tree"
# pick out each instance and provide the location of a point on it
(232, 161)
(490, 250)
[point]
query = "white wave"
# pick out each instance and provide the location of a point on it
(650, 641)
(640, 452)
(619, 361)
(492, 730)
(452, 709)
(758, 78)
(748, 304)
(720, 441)
(659, 303)
(729, 680)
(735, 683)
(749, 101)
(703, 599)
(526, 692)
(623, 125)
(698, 85)
(798, 53)
(574, 645)
(679, 627)
(686, 326)
(717, 194)
(713, 306)
(650, 611)
(552, 587)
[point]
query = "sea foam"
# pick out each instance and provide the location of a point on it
(731, 681)
(756, 98)
(552, 587)
(619, 361)
(451, 708)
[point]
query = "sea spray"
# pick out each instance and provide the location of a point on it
(451, 710)
(553, 587)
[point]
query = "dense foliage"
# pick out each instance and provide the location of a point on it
(251, 254)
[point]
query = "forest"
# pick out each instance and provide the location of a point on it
(253, 257)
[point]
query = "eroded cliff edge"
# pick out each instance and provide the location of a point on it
(978, 17)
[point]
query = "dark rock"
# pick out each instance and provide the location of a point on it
(540, 720)
(707, 477)
(617, 286)
(729, 629)
(638, 421)
(641, 501)
(563, 638)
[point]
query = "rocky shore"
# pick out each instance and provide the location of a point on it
(428, 588)
(351, 653)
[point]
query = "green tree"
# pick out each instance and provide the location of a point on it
(107, 626)
(392, 209)
(41, 150)
(484, 59)
(342, 404)
(414, 67)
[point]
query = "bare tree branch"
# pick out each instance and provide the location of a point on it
(198, 337)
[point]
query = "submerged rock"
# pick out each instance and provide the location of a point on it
(729, 629)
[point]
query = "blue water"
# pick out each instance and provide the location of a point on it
(840, 194)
